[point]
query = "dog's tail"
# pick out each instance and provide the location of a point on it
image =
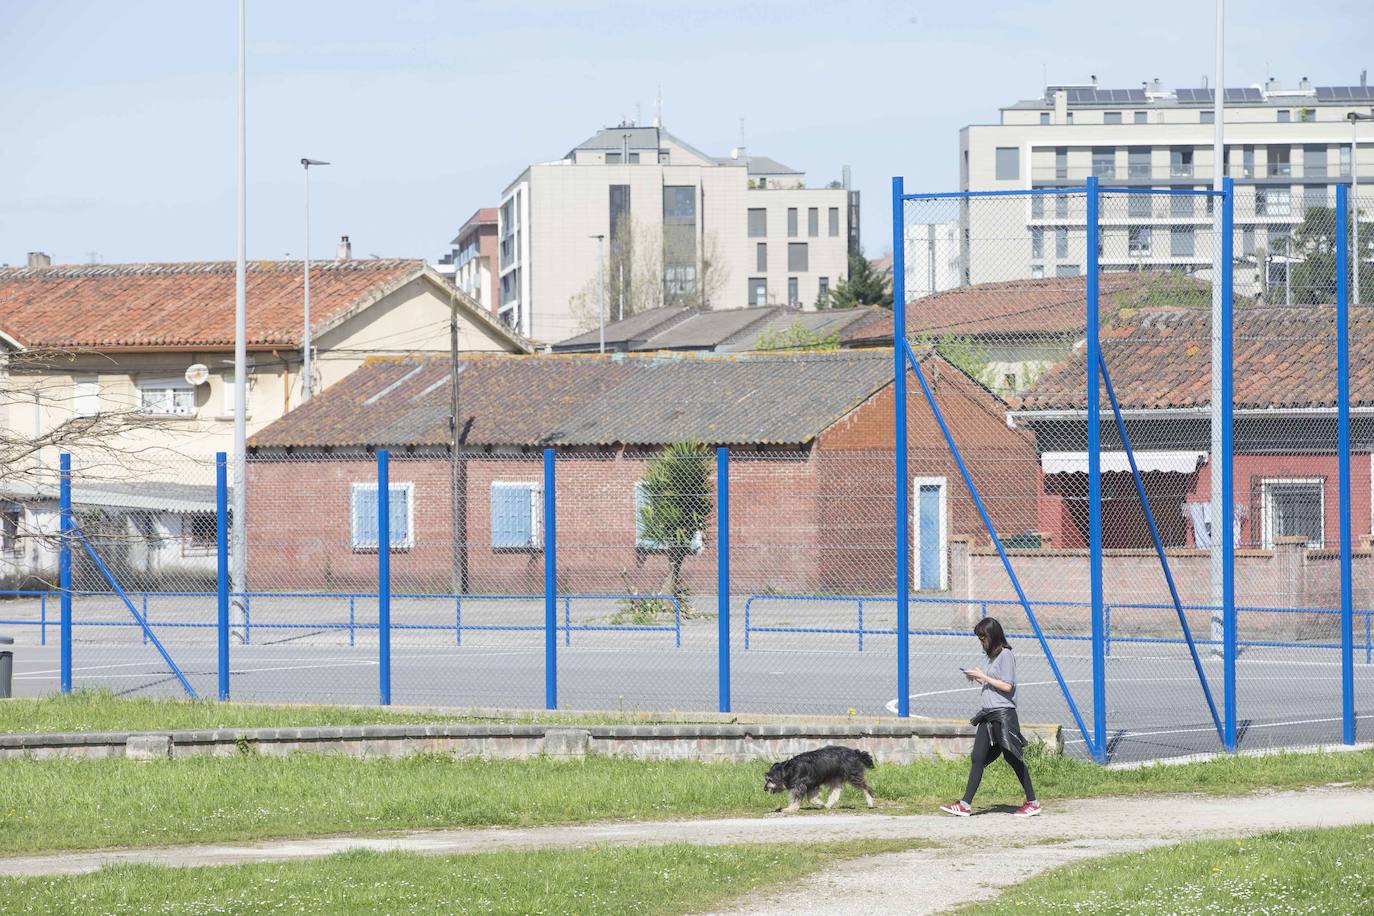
(867, 759)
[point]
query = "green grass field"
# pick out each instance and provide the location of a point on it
(653, 880)
(1301, 871)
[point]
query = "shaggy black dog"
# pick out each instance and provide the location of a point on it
(806, 774)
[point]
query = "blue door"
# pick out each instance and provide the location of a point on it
(928, 539)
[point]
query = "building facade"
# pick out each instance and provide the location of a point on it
(634, 218)
(1286, 148)
(472, 263)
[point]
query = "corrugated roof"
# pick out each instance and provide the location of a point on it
(628, 331)
(113, 306)
(585, 400)
(1284, 358)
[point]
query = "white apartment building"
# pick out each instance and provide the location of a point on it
(1285, 148)
(635, 218)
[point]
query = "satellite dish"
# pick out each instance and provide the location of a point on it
(197, 374)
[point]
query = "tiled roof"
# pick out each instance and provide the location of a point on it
(628, 332)
(588, 400)
(114, 306)
(721, 330)
(1284, 358)
(1054, 305)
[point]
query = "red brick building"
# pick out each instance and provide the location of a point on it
(811, 476)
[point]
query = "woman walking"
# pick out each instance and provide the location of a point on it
(999, 730)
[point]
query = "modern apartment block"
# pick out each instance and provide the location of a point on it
(1285, 149)
(472, 263)
(634, 218)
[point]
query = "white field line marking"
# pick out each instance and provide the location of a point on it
(1188, 731)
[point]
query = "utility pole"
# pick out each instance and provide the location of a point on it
(1221, 526)
(239, 519)
(306, 362)
(457, 469)
(600, 293)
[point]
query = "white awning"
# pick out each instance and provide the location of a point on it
(1184, 462)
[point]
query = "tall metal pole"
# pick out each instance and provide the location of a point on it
(457, 470)
(903, 557)
(239, 521)
(1094, 398)
(1221, 526)
(1343, 458)
(307, 371)
(600, 293)
(1355, 202)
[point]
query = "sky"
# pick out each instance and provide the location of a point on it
(119, 117)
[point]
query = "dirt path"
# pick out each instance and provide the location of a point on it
(918, 881)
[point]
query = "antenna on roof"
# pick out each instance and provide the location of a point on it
(658, 106)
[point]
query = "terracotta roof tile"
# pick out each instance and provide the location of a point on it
(114, 306)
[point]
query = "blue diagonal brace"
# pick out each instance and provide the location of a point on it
(1159, 546)
(147, 630)
(1099, 753)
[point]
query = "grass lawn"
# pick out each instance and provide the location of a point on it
(647, 879)
(94, 803)
(101, 711)
(1300, 871)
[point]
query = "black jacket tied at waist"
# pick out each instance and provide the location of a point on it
(1004, 730)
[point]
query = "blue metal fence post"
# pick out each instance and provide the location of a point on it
(1095, 481)
(222, 569)
(384, 574)
(1343, 452)
(903, 558)
(65, 568)
(550, 584)
(1226, 524)
(723, 576)
(43, 619)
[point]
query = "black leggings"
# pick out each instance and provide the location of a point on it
(984, 753)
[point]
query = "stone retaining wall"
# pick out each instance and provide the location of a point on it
(901, 742)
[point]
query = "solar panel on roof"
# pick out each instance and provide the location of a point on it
(1364, 93)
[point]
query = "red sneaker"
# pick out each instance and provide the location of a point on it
(1029, 809)
(958, 809)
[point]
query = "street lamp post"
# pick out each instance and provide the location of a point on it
(1355, 118)
(306, 367)
(600, 292)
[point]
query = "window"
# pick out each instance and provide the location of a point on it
(1037, 271)
(1285, 115)
(641, 509)
(793, 294)
(1061, 243)
(515, 509)
(1111, 117)
(1141, 117)
(1247, 162)
(797, 257)
(230, 392)
(1008, 163)
(1044, 117)
(1314, 160)
(679, 243)
(1140, 205)
(1061, 206)
(1181, 162)
(1247, 241)
(1182, 205)
(1067, 270)
(791, 222)
(1273, 201)
(613, 159)
(634, 158)
(758, 291)
(823, 291)
(1037, 242)
(1138, 241)
(663, 157)
(399, 517)
(1181, 241)
(1314, 197)
(1280, 161)
(813, 222)
(1207, 116)
(1345, 162)
(1009, 381)
(1037, 206)
(169, 397)
(1104, 161)
(834, 222)
(10, 517)
(761, 257)
(1061, 162)
(1138, 162)
(621, 251)
(86, 396)
(1307, 115)
(1069, 118)
(758, 222)
(199, 533)
(1293, 508)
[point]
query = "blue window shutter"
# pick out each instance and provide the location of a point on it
(501, 534)
(400, 515)
(364, 517)
(510, 516)
(523, 522)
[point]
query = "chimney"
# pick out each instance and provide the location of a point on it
(1364, 78)
(1094, 80)
(39, 259)
(1304, 84)
(1271, 85)
(345, 249)
(1061, 106)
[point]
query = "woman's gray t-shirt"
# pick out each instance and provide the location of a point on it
(1002, 668)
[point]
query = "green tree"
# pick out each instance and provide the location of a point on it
(674, 505)
(1310, 256)
(798, 336)
(964, 353)
(865, 285)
